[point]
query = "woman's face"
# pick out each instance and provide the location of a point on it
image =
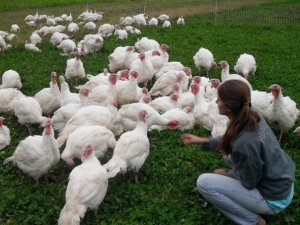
(223, 110)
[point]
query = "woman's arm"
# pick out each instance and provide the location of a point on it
(193, 139)
(208, 144)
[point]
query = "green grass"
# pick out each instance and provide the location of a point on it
(166, 192)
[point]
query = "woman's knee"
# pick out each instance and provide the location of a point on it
(203, 182)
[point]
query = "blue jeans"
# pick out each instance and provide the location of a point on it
(239, 204)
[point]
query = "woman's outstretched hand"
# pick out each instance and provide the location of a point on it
(193, 139)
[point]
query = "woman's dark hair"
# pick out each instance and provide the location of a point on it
(236, 96)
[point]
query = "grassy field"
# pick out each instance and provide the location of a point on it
(166, 192)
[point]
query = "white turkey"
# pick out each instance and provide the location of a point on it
(165, 103)
(11, 79)
(3, 45)
(94, 81)
(32, 47)
(7, 96)
(153, 21)
(169, 66)
(35, 38)
(64, 113)
(14, 28)
(164, 84)
(104, 94)
(69, 18)
(28, 111)
(166, 24)
(57, 38)
(117, 59)
(200, 108)
(163, 17)
(100, 137)
(35, 155)
(31, 23)
(120, 34)
(260, 101)
(90, 26)
(127, 21)
(4, 134)
(146, 44)
(245, 65)
(67, 46)
(144, 68)
(50, 21)
(52, 29)
(282, 111)
(90, 115)
(204, 59)
(180, 21)
(131, 151)
(86, 189)
(226, 75)
(66, 95)
(218, 122)
(73, 28)
(128, 116)
(140, 19)
(135, 31)
(159, 57)
(106, 29)
(184, 116)
(49, 98)
(127, 89)
(75, 68)
(91, 43)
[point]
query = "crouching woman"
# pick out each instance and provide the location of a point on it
(261, 179)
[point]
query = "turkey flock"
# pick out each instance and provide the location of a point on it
(139, 91)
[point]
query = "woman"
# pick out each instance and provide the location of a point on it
(262, 175)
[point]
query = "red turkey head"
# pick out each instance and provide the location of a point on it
(172, 124)
(142, 115)
(178, 77)
(214, 65)
(77, 56)
(223, 64)
(164, 47)
(187, 71)
(133, 74)
(146, 99)
(176, 88)
(275, 89)
(197, 79)
(174, 97)
(145, 90)
(114, 103)
(215, 83)
(61, 79)
(88, 150)
(142, 56)
(113, 78)
(130, 48)
(155, 52)
(47, 125)
(85, 92)
(195, 88)
(124, 74)
(188, 109)
(53, 77)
